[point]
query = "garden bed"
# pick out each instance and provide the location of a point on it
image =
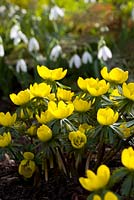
(58, 187)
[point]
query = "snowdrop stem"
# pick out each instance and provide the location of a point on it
(55, 26)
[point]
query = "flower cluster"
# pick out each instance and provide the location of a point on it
(53, 125)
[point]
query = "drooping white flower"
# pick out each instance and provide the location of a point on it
(87, 57)
(56, 12)
(2, 53)
(17, 35)
(12, 10)
(55, 52)
(21, 66)
(91, 1)
(33, 45)
(132, 14)
(14, 31)
(75, 60)
(104, 53)
(2, 9)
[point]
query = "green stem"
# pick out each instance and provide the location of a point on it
(100, 153)
(113, 151)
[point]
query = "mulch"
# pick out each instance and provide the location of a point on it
(58, 186)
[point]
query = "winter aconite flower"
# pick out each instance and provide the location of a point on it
(5, 139)
(96, 181)
(116, 75)
(108, 196)
(107, 116)
(32, 131)
(53, 75)
(75, 60)
(44, 133)
(126, 131)
(40, 90)
(7, 119)
(128, 90)
(81, 105)
(44, 117)
(97, 87)
(21, 98)
(60, 110)
(127, 158)
(82, 83)
(114, 93)
(27, 166)
(78, 139)
(65, 95)
(104, 53)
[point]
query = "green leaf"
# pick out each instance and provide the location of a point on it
(117, 176)
(126, 186)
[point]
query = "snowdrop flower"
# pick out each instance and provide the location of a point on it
(87, 57)
(17, 35)
(132, 14)
(2, 9)
(104, 53)
(1, 48)
(33, 45)
(91, 1)
(55, 13)
(55, 52)
(21, 66)
(12, 10)
(75, 60)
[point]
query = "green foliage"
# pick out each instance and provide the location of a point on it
(61, 134)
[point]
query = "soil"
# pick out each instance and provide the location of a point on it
(58, 187)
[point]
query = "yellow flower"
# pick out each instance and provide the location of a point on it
(125, 130)
(82, 83)
(97, 197)
(108, 196)
(44, 133)
(65, 95)
(7, 119)
(55, 74)
(60, 111)
(96, 181)
(78, 139)
(40, 90)
(5, 139)
(83, 127)
(21, 98)
(116, 75)
(106, 116)
(127, 158)
(97, 87)
(128, 90)
(28, 155)
(114, 94)
(27, 167)
(44, 117)
(32, 130)
(81, 105)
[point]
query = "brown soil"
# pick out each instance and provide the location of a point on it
(58, 187)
